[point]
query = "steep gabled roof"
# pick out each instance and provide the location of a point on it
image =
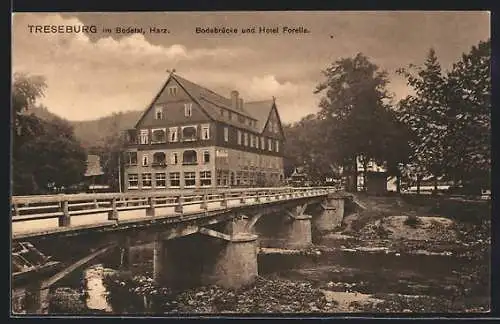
(208, 95)
(211, 103)
(260, 110)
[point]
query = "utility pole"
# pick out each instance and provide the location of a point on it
(119, 172)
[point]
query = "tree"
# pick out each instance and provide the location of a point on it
(359, 124)
(449, 117)
(110, 153)
(45, 153)
(425, 115)
(306, 146)
(51, 159)
(469, 99)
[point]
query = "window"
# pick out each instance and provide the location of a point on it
(146, 180)
(133, 181)
(269, 144)
(262, 143)
(159, 159)
(249, 122)
(222, 112)
(131, 158)
(172, 91)
(205, 178)
(241, 119)
(239, 137)
(159, 135)
(158, 112)
(175, 179)
(188, 109)
(174, 136)
(229, 115)
(205, 132)
(252, 140)
(277, 147)
(175, 158)
(189, 133)
(144, 136)
(256, 142)
(189, 179)
(226, 134)
(160, 180)
(206, 157)
(144, 160)
(189, 157)
(246, 138)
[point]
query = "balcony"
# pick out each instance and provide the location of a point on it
(189, 134)
(159, 164)
(189, 158)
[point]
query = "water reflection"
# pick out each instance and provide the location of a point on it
(96, 292)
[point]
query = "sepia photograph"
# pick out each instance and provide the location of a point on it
(228, 163)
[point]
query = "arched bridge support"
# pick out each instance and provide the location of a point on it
(226, 257)
(331, 213)
(298, 228)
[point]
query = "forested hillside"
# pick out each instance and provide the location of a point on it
(92, 133)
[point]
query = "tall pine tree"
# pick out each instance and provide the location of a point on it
(425, 114)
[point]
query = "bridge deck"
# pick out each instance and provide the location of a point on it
(36, 215)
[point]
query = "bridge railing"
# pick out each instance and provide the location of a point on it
(64, 206)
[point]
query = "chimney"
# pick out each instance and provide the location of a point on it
(241, 104)
(234, 99)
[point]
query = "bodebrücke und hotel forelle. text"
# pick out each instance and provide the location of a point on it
(252, 30)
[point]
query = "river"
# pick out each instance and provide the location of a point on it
(393, 281)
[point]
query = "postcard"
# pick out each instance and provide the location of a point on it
(250, 162)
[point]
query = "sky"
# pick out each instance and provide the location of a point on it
(92, 75)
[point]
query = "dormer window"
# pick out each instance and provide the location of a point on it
(188, 109)
(172, 91)
(159, 112)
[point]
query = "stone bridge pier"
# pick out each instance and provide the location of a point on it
(225, 256)
(331, 212)
(226, 253)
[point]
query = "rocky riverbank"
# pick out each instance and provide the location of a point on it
(389, 259)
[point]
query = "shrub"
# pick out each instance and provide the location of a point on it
(412, 221)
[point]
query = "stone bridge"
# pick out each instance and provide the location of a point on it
(208, 235)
